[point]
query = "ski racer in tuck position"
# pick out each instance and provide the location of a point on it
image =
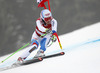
(45, 24)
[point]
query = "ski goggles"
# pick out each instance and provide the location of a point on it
(47, 19)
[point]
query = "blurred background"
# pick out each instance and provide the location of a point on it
(17, 19)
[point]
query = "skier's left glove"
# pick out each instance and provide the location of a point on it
(53, 38)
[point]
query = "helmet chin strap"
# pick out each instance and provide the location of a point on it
(44, 22)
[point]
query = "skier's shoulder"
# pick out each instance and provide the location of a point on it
(38, 19)
(38, 22)
(53, 19)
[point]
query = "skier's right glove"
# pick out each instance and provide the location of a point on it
(48, 31)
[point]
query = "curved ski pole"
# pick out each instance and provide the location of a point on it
(57, 38)
(50, 44)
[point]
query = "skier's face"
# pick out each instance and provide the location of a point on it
(47, 20)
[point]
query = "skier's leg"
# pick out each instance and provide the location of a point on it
(45, 41)
(43, 47)
(34, 45)
(28, 51)
(40, 52)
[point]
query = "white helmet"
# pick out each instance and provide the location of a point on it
(45, 15)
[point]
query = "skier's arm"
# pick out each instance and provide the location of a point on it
(40, 27)
(54, 26)
(54, 30)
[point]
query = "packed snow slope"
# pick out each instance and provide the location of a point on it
(82, 54)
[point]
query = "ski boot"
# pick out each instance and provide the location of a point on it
(20, 60)
(40, 53)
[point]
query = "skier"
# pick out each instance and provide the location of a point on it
(45, 24)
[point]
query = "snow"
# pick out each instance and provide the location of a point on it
(82, 54)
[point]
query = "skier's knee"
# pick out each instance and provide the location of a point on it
(35, 43)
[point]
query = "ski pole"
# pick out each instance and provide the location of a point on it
(46, 34)
(58, 40)
(15, 52)
(43, 35)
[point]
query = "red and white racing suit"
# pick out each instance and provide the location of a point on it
(40, 30)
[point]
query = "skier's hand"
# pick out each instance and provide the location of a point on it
(53, 38)
(48, 31)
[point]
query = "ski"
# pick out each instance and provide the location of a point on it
(54, 55)
(34, 60)
(30, 61)
(41, 58)
(26, 62)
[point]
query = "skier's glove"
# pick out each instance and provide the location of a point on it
(53, 38)
(48, 31)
